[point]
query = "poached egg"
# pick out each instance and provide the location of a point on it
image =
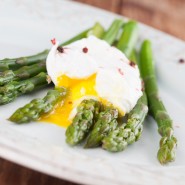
(92, 69)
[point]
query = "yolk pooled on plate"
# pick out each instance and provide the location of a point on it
(77, 89)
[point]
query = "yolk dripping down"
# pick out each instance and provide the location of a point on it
(77, 88)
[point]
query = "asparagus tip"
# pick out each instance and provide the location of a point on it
(167, 151)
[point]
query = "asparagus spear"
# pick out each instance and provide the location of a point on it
(15, 63)
(128, 38)
(22, 73)
(168, 142)
(38, 107)
(97, 30)
(112, 32)
(128, 133)
(87, 112)
(14, 89)
(106, 123)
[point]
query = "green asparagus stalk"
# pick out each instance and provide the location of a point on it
(97, 30)
(128, 38)
(168, 142)
(23, 73)
(14, 89)
(134, 57)
(105, 124)
(15, 63)
(112, 32)
(128, 133)
(87, 113)
(38, 107)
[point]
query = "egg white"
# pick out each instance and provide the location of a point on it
(116, 81)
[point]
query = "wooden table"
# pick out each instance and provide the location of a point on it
(167, 15)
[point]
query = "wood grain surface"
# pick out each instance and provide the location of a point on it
(13, 174)
(166, 15)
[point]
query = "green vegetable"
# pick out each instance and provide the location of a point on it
(38, 107)
(15, 63)
(12, 90)
(168, 142)
(129, 38)
(128, 133)
(112, 32)
(87, 113)
(97, 30)
(105, 124)
(22, 73)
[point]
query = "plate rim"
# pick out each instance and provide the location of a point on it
(36, 162)
(7, 148)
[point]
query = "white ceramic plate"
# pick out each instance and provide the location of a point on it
(26, 27)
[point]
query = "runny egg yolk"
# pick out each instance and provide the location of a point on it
(77, 89)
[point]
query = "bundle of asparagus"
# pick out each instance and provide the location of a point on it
(100, 124)
(12, 90)
(22, 73)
